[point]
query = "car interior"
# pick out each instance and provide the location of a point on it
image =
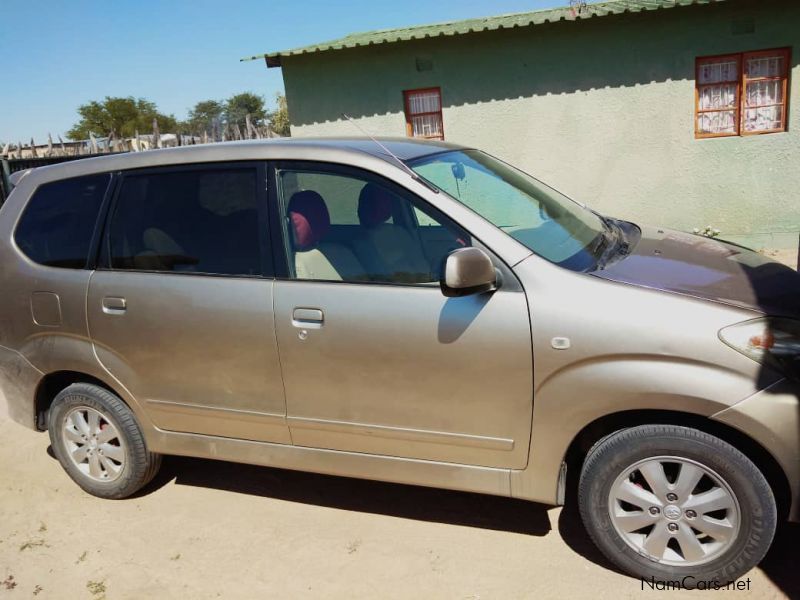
(193, 221)
(381, 239)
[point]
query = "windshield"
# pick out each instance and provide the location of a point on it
(553, 226)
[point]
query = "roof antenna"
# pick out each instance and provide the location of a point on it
(404, 166)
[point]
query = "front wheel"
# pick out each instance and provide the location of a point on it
(675, 504)
(98, 442)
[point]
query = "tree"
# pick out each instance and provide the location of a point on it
(123, 116)
(203, 116)
(239, 106)
(279, 118)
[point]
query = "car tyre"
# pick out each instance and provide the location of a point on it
(675, 504)
(99, 443)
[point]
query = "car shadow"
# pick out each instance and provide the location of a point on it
(375, 497)
(783, 558)
(431, 505)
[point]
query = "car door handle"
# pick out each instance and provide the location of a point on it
(114, 306)
(308, 318)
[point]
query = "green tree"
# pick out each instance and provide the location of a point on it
(279, 118)
(203, 116)
(239, 106)
(123, 116)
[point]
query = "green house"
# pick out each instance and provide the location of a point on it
(670, 112)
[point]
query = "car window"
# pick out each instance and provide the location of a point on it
(193, 221)
(340, 193)
(555, 227)
(57, 226)
(347, 227)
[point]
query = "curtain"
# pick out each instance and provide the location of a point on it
(718, 83)
(763, 108)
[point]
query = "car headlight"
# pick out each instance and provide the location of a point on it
(772, 341)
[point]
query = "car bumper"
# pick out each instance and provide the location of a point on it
(772, 418)
(18, 382)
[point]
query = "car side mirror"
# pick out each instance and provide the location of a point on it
(468, 271)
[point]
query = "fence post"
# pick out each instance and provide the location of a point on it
(5, 184)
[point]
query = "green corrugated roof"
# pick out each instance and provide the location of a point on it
(418, 32)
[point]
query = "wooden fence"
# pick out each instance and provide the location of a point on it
(139, 142)
(20, 157)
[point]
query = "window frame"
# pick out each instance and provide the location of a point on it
(409, 116)
(737, 82)
(784, 77)
(102, 256)
(280, 234)
(741, 83)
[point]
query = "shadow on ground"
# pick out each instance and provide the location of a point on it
(431, 505)
(390, 499)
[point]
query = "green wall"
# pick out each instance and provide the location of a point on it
(602, 109)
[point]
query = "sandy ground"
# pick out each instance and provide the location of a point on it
(207, 529)
(787, 257)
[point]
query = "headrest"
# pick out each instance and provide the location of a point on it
(310, 219)
(374, 205)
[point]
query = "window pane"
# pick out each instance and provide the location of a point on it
(427, 126)
(717, 122)
(718, 70)
(57, 225)
(765, 66)
(421, 102)
(760, 93)
(763, 119)
(718, 96)
(188, 221)
(423, 220)
(379, 236)
(531, 212)
(340, 193)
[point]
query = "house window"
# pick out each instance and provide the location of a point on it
(742, 94)
(424, 113)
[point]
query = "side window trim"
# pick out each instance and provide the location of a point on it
(277, 239)
(103, 251)
(98, 237)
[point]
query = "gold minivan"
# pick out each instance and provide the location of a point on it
(413, 312)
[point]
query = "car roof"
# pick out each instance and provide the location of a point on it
(402, 147)
(325, 148)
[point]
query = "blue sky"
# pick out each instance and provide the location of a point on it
(60, 54)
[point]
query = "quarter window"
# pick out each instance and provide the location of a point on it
(424, 113)
(742, 94)
(57, 226)
(192, 221)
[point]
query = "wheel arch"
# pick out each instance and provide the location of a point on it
(51, 384)
(611, 423)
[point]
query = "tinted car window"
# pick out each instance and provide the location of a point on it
(198, 221)
(57, 225)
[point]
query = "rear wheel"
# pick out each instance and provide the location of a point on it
(676, 504)
(98, 442)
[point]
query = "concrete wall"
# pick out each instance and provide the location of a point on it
(602, 109)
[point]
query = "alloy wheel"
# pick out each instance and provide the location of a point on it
(93, 444)
(674, 511)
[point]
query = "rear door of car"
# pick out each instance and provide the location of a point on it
(180, 306)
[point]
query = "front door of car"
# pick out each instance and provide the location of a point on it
(374, 358)
(180, 310)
